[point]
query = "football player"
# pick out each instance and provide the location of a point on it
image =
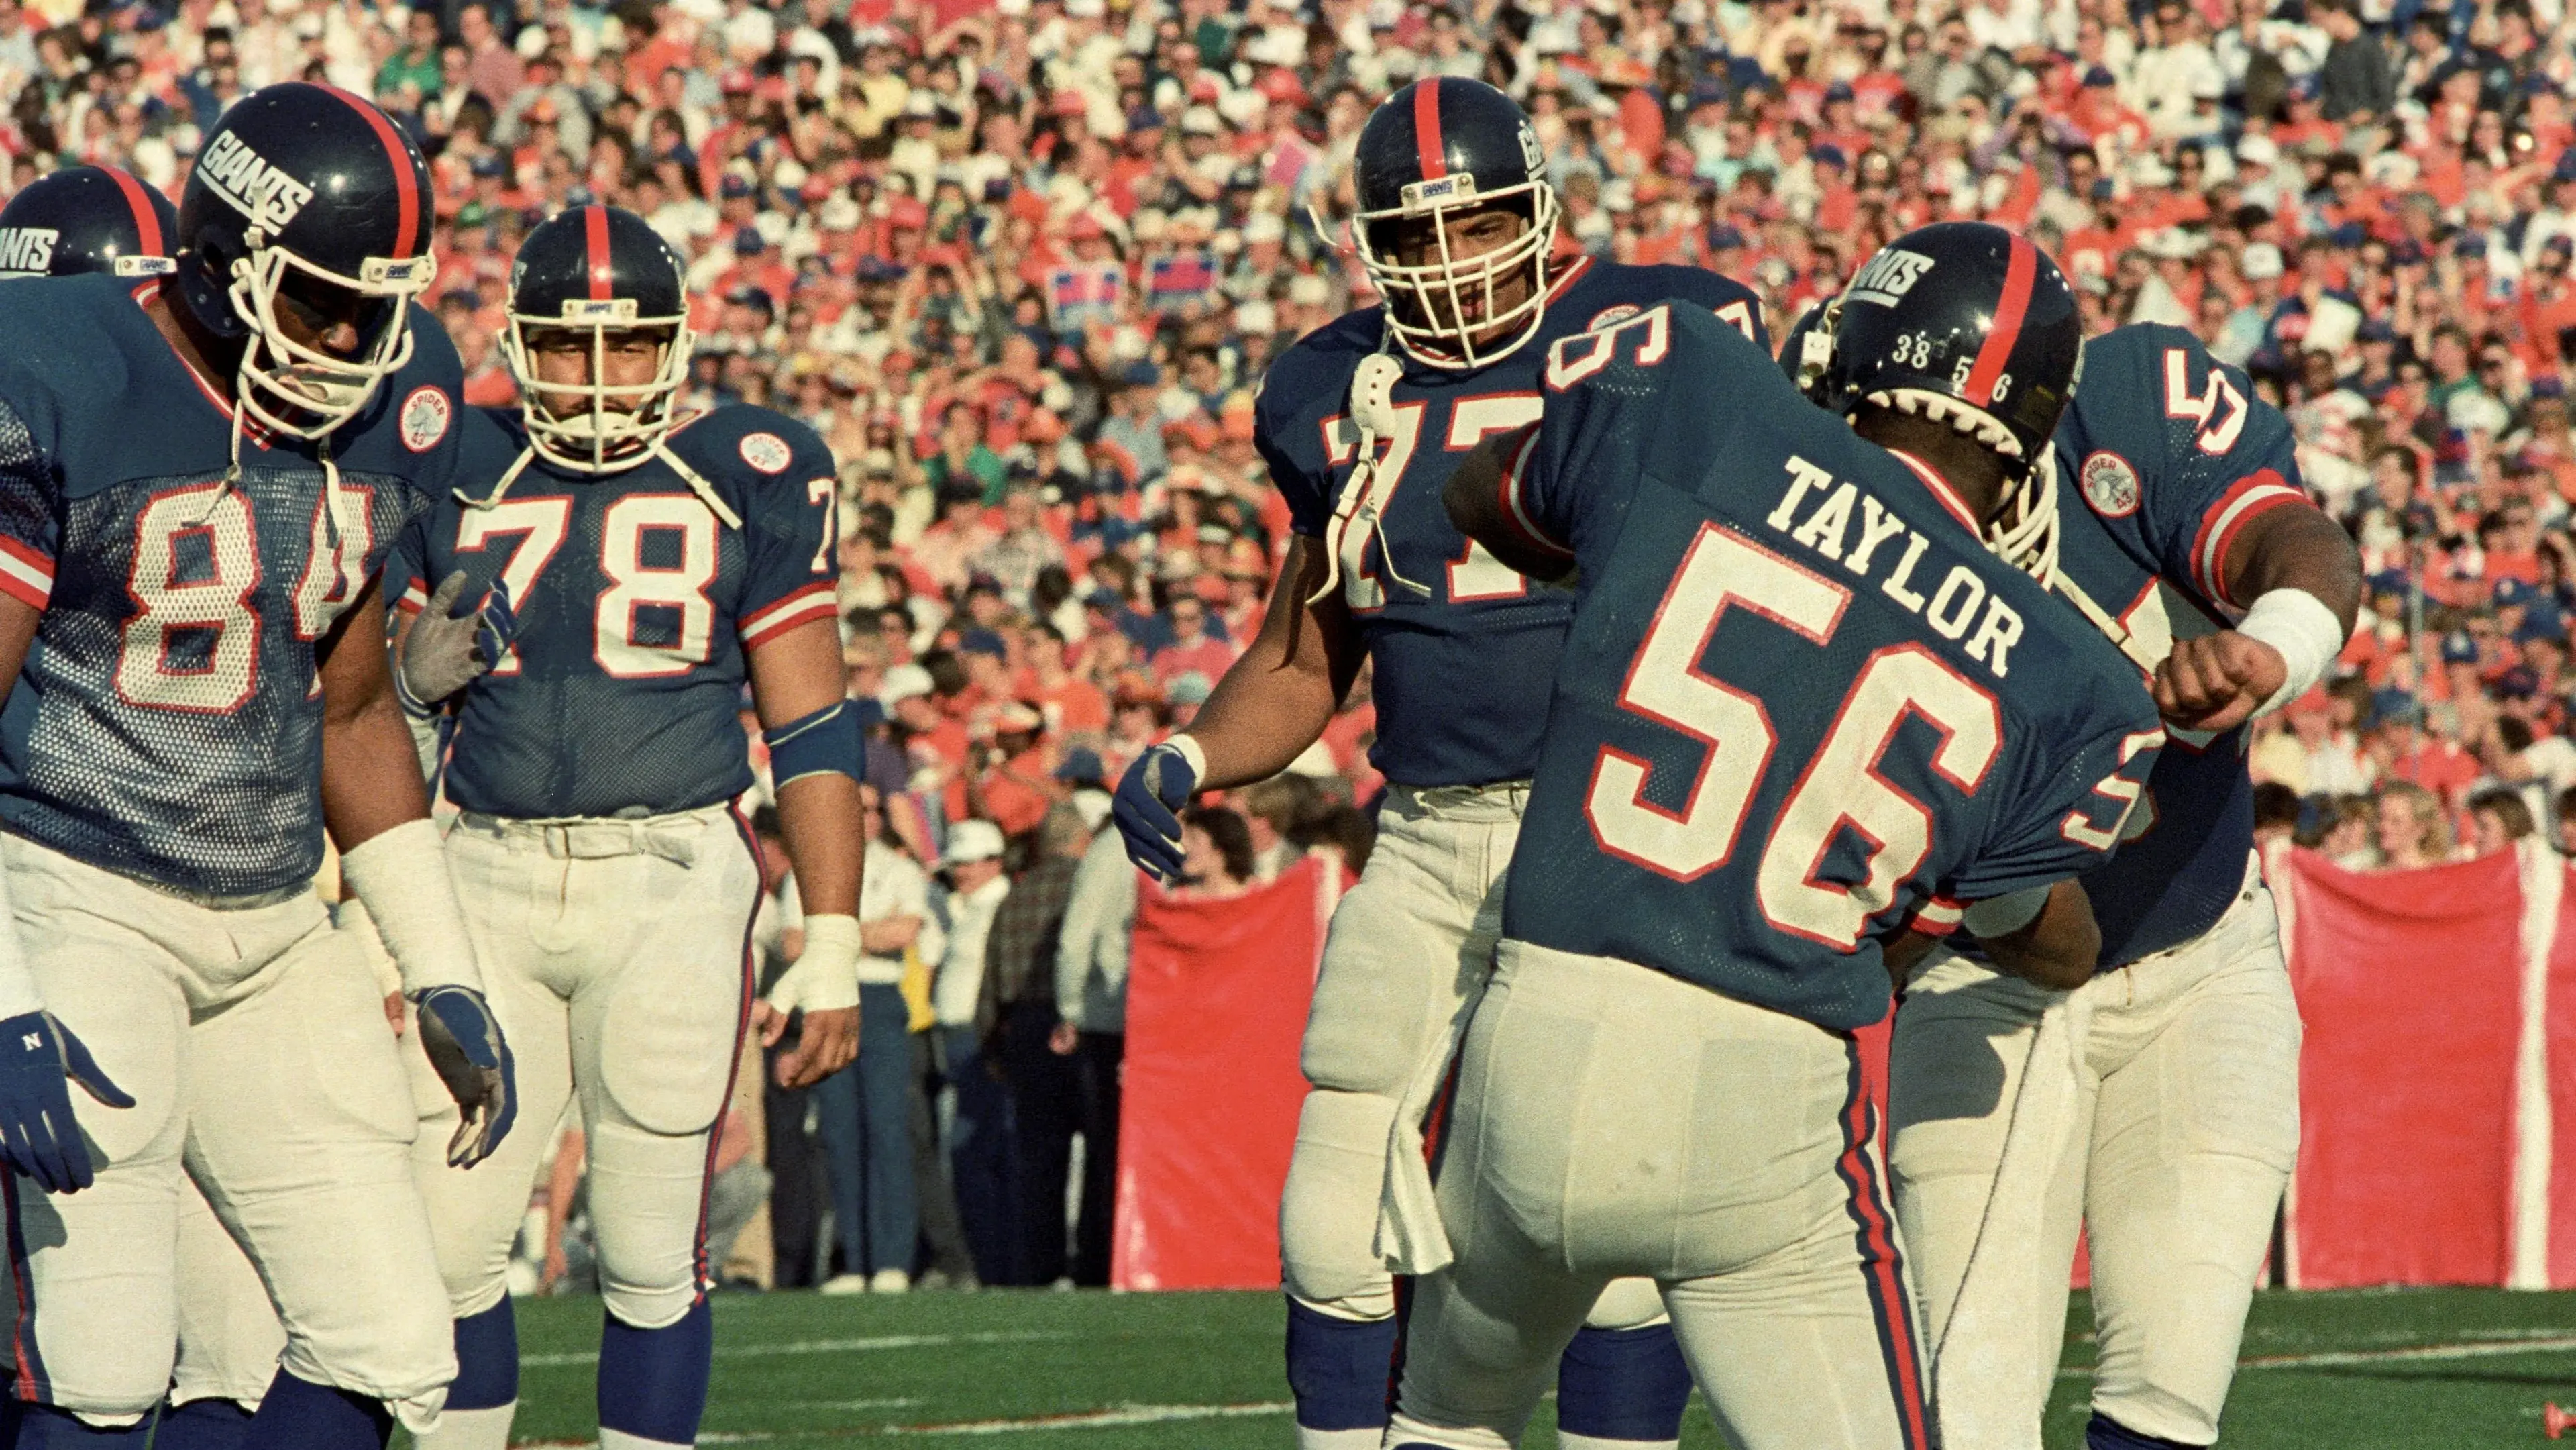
(185, 724)
(2199, 553)
(1361, 424)
(1671, 1088)
(630, 568)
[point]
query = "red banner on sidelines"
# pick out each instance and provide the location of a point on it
(1216, 1004)
(2410, 986)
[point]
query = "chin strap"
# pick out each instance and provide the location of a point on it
(1363, 495)
(509, 475)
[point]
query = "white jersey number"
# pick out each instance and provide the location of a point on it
(196, 562)
(1724, 570)
(677, 592)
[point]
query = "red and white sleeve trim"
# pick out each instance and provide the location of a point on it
(414, 597)
(1939, 916)
(814, 601)
(1514, 512)
(25, 575)
(2252, 496)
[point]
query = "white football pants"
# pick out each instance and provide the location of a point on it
(254, 1042)
(1409, 952)
(1614, 1120)
(2187, 1125)
(616, 954)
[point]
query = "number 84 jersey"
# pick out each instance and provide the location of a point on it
(167, 722)
(637, 607)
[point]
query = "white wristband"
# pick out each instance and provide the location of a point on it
(2003, 915)
(2306, 633)
(18, 994)
(825, 977)
(1190, 751)
(400, 876)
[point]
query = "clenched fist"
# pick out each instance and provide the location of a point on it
(2216, 682)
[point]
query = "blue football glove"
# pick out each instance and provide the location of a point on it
(465, 1046)
(38, 1135)
(1147, 808)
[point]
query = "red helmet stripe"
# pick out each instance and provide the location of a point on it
(2019, 272)
(594, 225)
(147, 221)
(406, 186)
(1426, 130)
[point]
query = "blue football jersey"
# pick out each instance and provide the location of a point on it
(636, 608)
(167, 723)
(1462, 665)
(2173, 455)
(1801, 704)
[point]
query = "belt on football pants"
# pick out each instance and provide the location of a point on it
(672, 838)
(1500, 800)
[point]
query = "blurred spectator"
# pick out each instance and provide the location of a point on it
(864, 1113)
(980, 1155)
(2497, 819)
(1216, 854)
(1018, 1019)
(1091, 1005)
(2414, 830)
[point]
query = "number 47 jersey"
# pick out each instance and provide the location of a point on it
(1801, 704)
(637, 610)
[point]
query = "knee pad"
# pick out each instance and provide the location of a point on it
(1328, 1211)
(1628, 1304)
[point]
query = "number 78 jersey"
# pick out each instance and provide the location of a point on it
(637, 607)
(1801, 704)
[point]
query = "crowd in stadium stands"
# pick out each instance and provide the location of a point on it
(1023, 265)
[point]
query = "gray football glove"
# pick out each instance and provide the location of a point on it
(446, 651)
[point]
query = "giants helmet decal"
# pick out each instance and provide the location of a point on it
(88, 219)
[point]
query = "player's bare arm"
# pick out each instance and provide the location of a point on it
(1474, 498)
(2057, 943)
(1277, 698)
(2303, 574)
(794, 676)
(370, 777)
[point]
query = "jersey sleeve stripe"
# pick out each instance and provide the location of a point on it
(25, 575)
(1513, 512)
(2251, 496)
(1939, 916)
(414, 597)
(814, 601)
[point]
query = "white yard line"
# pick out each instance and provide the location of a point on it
(817, 1346)
(2331, 1359)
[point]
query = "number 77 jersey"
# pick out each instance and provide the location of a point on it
(1801, 704)
(637, 609)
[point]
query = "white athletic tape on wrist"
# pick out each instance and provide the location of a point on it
(2003, 915)
(1197, 758)
(825, 977)
(18, 994)
(2304, 630)
(400, 876)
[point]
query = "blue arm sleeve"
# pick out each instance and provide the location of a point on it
(2066, 812)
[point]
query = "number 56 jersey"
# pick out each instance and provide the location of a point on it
(637, 607)
(1801, 704)
(167, 722)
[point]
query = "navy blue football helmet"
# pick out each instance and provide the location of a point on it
(595, 270)
(1967, 323)
(315, 182)
(1435, 150)
(87, 219)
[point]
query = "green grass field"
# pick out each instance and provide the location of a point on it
(2412, 1368)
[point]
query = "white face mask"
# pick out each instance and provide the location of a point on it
(302, 391)
(597, 437)
(1442, 334)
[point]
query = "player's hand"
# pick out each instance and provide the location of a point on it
(2216, 682)
(1064, 1039)
(445, 651)
(39, 1137)
(827, 1040)
(465, 1045)
(1147, 808)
